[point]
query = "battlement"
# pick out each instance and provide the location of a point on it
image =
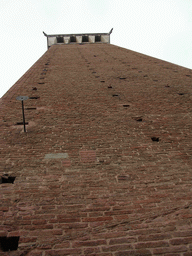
(90, 38)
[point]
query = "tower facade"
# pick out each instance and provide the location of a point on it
(104, 167)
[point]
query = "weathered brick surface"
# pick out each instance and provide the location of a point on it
(105, 165)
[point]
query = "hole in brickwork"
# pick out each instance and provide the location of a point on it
(110, 87)
(21, 123)
(73, 39)
(94, 55)
(126, 106)
(123, 177)
(9, 243)
(41, 83)
(6, 178)
(155, 139)
(167, 85)
(34, 98)
(115, 95)
(181, 93)
(188, 75)
(85, 39)
(34, 88)
(122, 78)
(46, 63)
(137, 118)
(30, 108)
(60, 40)
(97, 38)
(102, 81)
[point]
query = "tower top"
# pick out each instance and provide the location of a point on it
(78, 38)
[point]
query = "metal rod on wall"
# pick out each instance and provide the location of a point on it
(22, 98)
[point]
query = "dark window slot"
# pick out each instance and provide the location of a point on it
(34, 98)
(85, 39)
(7, 179)
(126, 106)
(21, 123)
(60, 40)
(155, 139)
(30, 108)
(97, 38)
(9, 243)
(73, 39)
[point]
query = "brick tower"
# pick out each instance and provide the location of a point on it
(104, 167)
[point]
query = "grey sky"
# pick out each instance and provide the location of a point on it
(159, 28)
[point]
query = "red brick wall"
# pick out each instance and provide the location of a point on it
(89, 178)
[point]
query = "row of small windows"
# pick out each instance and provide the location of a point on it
(85, 39)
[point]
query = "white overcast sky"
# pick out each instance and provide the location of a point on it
(159, 28)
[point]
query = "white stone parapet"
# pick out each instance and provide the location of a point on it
(78, 38)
